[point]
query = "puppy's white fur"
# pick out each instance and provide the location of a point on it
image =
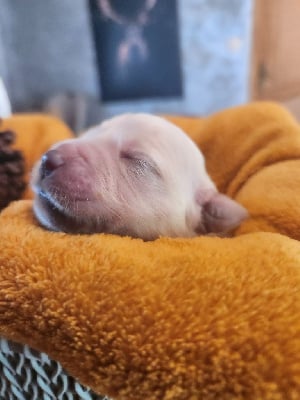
(135, 174)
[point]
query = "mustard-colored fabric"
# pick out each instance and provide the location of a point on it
(253, 155)
(203, 318)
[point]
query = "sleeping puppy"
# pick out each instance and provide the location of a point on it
(136, 175)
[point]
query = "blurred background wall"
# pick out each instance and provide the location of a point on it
(47, 48)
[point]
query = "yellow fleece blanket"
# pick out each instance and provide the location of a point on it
(203, 318)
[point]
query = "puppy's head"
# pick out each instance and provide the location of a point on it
(136, 175)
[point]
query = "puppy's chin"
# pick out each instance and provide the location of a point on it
(55, 217)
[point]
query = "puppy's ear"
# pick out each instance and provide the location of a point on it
(220, 214)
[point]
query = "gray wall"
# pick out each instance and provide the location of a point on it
(46, 48)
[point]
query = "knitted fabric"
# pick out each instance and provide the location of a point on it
(26, 374)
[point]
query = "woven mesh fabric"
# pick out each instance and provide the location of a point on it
(26, 374)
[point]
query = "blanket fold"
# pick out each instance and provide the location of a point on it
(203, 318)
(252, 153)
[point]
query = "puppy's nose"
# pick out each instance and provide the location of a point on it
(50, 162)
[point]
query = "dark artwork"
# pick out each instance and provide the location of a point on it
(137, 48)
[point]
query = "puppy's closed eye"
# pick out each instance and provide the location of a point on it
(139, 163)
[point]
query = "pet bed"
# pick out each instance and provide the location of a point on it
(202, 318)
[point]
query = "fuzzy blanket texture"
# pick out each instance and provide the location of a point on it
(202, 318)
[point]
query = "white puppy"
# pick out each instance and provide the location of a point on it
(136, 175)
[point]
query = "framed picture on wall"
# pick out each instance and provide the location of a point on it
(137, 48)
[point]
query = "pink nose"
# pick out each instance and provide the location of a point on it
(50, 162)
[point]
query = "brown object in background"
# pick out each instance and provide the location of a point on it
(12, 170)
(276, 53)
